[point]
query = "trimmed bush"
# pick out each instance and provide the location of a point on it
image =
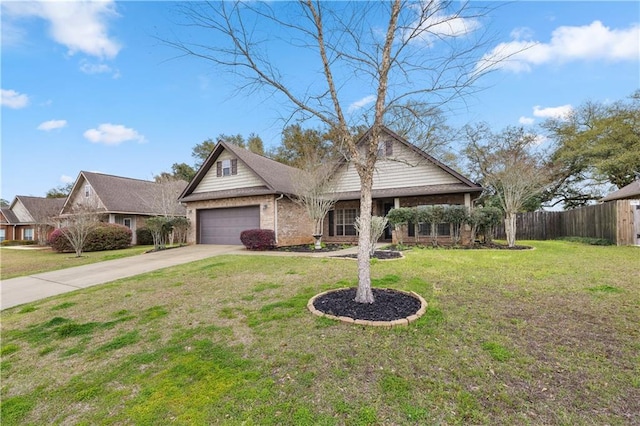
(19, 243)
(106, 236)
(258, 239)
(144, 237)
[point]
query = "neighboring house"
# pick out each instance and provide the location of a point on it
(629, 192)
(27, 217)
(235, 190)
(123, 200)
(627, 213)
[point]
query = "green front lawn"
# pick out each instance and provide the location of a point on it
(549, 336)
(28, 261)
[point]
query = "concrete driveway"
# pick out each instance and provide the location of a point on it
(17, 291)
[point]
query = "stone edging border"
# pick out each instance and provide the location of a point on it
(395, 323)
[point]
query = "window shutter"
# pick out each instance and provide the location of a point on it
(388, 147)
(234, 166)
(411, 229)
(331, 231)
(219, 168)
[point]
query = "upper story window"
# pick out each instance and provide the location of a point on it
(227, 167)
(385, 148)
(87, 190)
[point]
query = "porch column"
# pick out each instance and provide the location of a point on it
(396, 203)
(112, 218)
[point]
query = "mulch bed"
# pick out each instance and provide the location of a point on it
(389, 305)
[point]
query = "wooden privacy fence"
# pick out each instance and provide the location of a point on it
(613, 221)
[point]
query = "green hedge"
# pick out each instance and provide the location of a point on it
(106, 236)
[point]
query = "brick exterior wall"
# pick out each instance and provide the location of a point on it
(293, 225)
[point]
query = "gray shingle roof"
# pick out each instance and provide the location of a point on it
(412, 191)
(278, 178)
(630, 191)
(125, 195)
(9, 215)
(39, 207)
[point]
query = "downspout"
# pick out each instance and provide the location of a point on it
(275, 219)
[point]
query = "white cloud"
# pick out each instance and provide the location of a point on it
(52, 125)
(79, 25)
(559, 112)
(526, 120)
(113, 134)
(13, 99)
(361, 103)
(438, 23)
(66, 179)
(101, 68)
(593, 42)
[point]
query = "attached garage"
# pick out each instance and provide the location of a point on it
(223, 226)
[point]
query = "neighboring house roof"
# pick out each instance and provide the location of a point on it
(9, 216)
(40, 207)
(278, 178)
(630, 191)
(121, 194)
(34, 209)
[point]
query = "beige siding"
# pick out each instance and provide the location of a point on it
(403, 169)
(21, 212)
(244, 179)
(78, 197)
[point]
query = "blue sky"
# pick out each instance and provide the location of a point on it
(89, 86)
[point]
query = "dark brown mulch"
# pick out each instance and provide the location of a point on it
(379, 254)
(308, 248)
(389, 305)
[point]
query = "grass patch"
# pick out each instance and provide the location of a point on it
(497, 351)
(509, 337)
(62, 306)
(604, 289)
(18, 263)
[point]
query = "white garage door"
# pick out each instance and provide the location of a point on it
(223, 226)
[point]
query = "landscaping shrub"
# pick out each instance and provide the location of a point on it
(258, 239)
(19, 243)
(588, 240)
(106, 236)
(144, 237)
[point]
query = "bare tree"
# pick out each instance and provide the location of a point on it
(79, 223)
(508, 165)
(315, 191)
(424, 52)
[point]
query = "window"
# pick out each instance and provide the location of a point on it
(27, 234)
(227, 167)
(87, 190)
(2, 235)
(127, 222)
(345, 221)
(385, 148)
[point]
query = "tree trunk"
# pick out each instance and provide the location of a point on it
(364, 293)
(510, 228)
